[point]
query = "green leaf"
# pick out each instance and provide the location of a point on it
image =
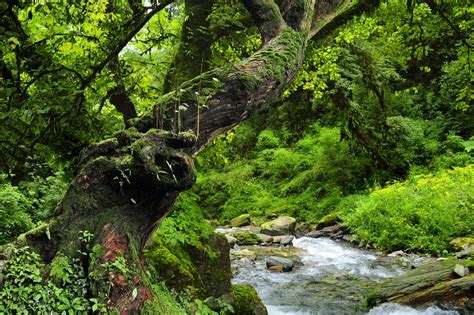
(134, 293)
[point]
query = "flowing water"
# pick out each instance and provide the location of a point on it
(329, 278)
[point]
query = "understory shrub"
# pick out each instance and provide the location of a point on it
(306, 179)
(26, 205)
(25, 291)
(422, 213)
(14, 218)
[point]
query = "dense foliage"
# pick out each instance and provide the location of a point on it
(422, 213)
(377, 129)
(382, 97)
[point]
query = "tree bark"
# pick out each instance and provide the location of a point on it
(194, 52)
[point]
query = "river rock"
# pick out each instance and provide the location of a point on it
(232, 240)
(460, 270)
(276, 268)
(264, 238)
(247, 301)
(301, 229)
(327, 231)
(246, 238)
(285, 263)
(241, 220)
(466, 253)
(279, 226)
(283, 239)
(242, 253)
(329, 220)
(272, 216)
(397, 253)
(348, 238)
(462, 243)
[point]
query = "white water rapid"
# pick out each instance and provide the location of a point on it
(330, 278)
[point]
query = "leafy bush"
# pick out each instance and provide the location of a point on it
(422, 213)
(25, 205)
(14, 218)
(44, 193)
(267, 140)
(186, 225)
(165, 301)
(409, 140)
(25, 291)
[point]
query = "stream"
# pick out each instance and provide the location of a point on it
(329, 278)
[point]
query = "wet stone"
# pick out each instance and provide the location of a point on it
(275, 261)
(460, 270)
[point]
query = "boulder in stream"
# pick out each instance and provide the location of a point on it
(276, 261)
(328, 231)
(460, 270)
(461, 243)
(241, 220)
(463, 246)
(329, 220)
(466, 253)
(302, 228)
(279, 226)
(246, 238)
(283, 239)
(264, 238)
(230, 239)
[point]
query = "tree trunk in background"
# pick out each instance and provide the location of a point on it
(194, 52)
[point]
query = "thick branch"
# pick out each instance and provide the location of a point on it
(119, 98)
(267, 17)
(120, 45)
(79, 99)
(219, 99)
(329, 14)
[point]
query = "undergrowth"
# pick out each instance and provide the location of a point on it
(422, 213)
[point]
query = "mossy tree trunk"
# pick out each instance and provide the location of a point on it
(127, 184)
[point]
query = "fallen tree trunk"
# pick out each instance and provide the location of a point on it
(430, 283)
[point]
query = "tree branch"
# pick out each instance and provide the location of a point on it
(267, 17)
(79, 99)
(116, 50)
(43, 73)
(433, 6)
(330, 14)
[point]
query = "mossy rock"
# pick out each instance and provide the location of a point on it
(213, 269)
(432, 282)
(328, 220)
(173, 267)
(279, 226)
(246, 238)
(241, 220)
(205, 270)
(247, 301)
(462, 243)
